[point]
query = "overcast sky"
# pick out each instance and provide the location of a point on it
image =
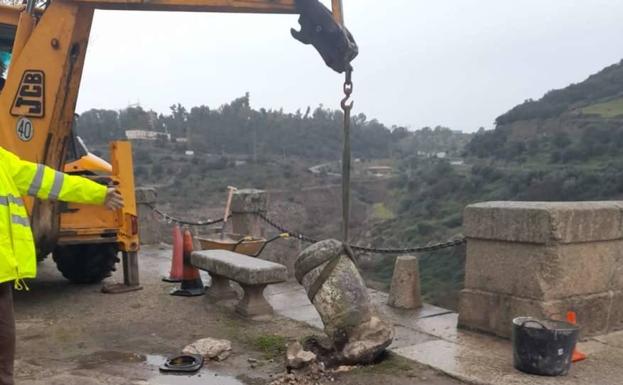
(458, 63)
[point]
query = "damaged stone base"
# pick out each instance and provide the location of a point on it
(366, 341)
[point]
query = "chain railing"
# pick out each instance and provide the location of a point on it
(171, 219)
(302, 237)
(371, 250)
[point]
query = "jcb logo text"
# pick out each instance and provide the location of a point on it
(29, 100)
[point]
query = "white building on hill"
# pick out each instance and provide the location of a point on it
(146, 135)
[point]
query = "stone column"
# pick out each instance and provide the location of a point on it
(542, 260)
(149, 228)
(405, 290)
(248, 200)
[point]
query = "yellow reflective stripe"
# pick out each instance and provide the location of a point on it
(17, 220)
(5, 200)
(16, 201)
(59, 178)
(37, 181)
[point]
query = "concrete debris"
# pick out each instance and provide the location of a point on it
(340, 296)
(344, 369)
(314, 374)
(210, 349)
(297, 357)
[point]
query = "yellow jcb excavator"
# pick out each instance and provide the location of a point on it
(43, 45)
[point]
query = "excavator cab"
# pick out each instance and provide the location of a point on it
(7, 38)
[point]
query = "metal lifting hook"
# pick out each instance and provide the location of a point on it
(348, 91)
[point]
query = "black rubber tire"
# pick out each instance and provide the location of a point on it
(86, 264)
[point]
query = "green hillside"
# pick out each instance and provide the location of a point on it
(609, 109)
(602, 86)
(563, 147)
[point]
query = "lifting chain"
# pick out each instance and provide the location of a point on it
(346, 155)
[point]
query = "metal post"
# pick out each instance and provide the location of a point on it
(130, 269)
(130, 276)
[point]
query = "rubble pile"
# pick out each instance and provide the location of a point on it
(314, 374)
(210, 349)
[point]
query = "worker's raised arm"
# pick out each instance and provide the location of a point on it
(44, 182)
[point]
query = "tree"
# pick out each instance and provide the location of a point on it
(99, 126)
(561, 140)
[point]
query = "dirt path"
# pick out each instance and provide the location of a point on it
(73, 335)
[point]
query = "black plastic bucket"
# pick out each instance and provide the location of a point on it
(543, 347)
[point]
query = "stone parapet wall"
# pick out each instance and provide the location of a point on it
(542, 260)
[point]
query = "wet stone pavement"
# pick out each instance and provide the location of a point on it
(429, 336)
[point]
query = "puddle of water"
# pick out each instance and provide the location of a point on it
(106, 357)
(203, 377)
(154, 359)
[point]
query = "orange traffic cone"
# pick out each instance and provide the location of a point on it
(177, 262)
(577, 355)
(192, 285)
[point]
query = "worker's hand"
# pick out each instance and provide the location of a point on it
(114, 200)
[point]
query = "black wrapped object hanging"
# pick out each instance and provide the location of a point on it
(332, 40)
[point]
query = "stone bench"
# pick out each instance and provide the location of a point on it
(252, 274)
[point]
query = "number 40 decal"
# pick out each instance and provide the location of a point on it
(25, 129)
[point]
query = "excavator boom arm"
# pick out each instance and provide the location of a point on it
(235, 6)
(10, 14)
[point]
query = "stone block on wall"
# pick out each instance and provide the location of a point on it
(542, 259)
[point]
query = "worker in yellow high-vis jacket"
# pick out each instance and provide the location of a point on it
(18, 259)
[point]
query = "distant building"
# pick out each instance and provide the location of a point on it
(380, 170)
(439, 155)
(146, 135)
